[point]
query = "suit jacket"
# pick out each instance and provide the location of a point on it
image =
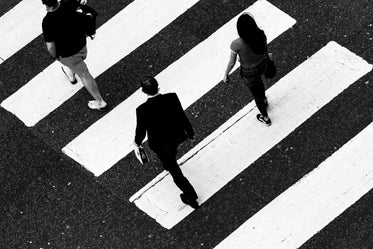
(163, 119)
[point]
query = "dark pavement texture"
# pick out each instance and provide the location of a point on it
(49, 201)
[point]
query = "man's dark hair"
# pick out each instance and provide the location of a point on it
(49, 3)
(149, 85)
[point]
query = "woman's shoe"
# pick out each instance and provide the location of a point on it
(260, 117)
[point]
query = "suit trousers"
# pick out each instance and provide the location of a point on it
(167, 155)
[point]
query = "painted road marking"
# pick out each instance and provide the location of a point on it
(114, 40)
(313, 202)
(294, 99)
(19, 26)
(110, 139)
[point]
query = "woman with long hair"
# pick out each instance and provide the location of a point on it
(251, 47)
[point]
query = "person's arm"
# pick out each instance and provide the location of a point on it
(51, 47)
(49, 37)
(140, 129)
(231, 63)
(184, 119)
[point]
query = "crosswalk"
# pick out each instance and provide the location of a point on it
(24, 29)
(111, 141)
(228, 151)
(310, 204)
(295, 98)
(40, 95)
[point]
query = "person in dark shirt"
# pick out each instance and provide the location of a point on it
(163, 119)
(65, 38)
(251, 46)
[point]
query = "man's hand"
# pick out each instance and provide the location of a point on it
(135, 145)
(83, 2)
(136, 149)
(226, 78)
(141, 157)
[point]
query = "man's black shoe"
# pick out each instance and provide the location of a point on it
(186, 200)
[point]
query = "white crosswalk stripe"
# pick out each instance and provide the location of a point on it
(19, 26)
(110, 139)
(294, 99)
(314, 201)
(122, 34)
(288, 220)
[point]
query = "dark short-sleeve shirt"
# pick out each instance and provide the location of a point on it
(64, 27)
(247, 57)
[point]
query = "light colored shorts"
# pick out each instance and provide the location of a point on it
(76, 62)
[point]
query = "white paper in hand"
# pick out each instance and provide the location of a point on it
(141, 155)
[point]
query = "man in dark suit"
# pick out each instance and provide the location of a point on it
(163, 119)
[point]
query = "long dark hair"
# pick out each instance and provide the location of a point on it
(251, 34)
(49, 3)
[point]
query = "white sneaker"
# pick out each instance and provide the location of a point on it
(98, 105)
